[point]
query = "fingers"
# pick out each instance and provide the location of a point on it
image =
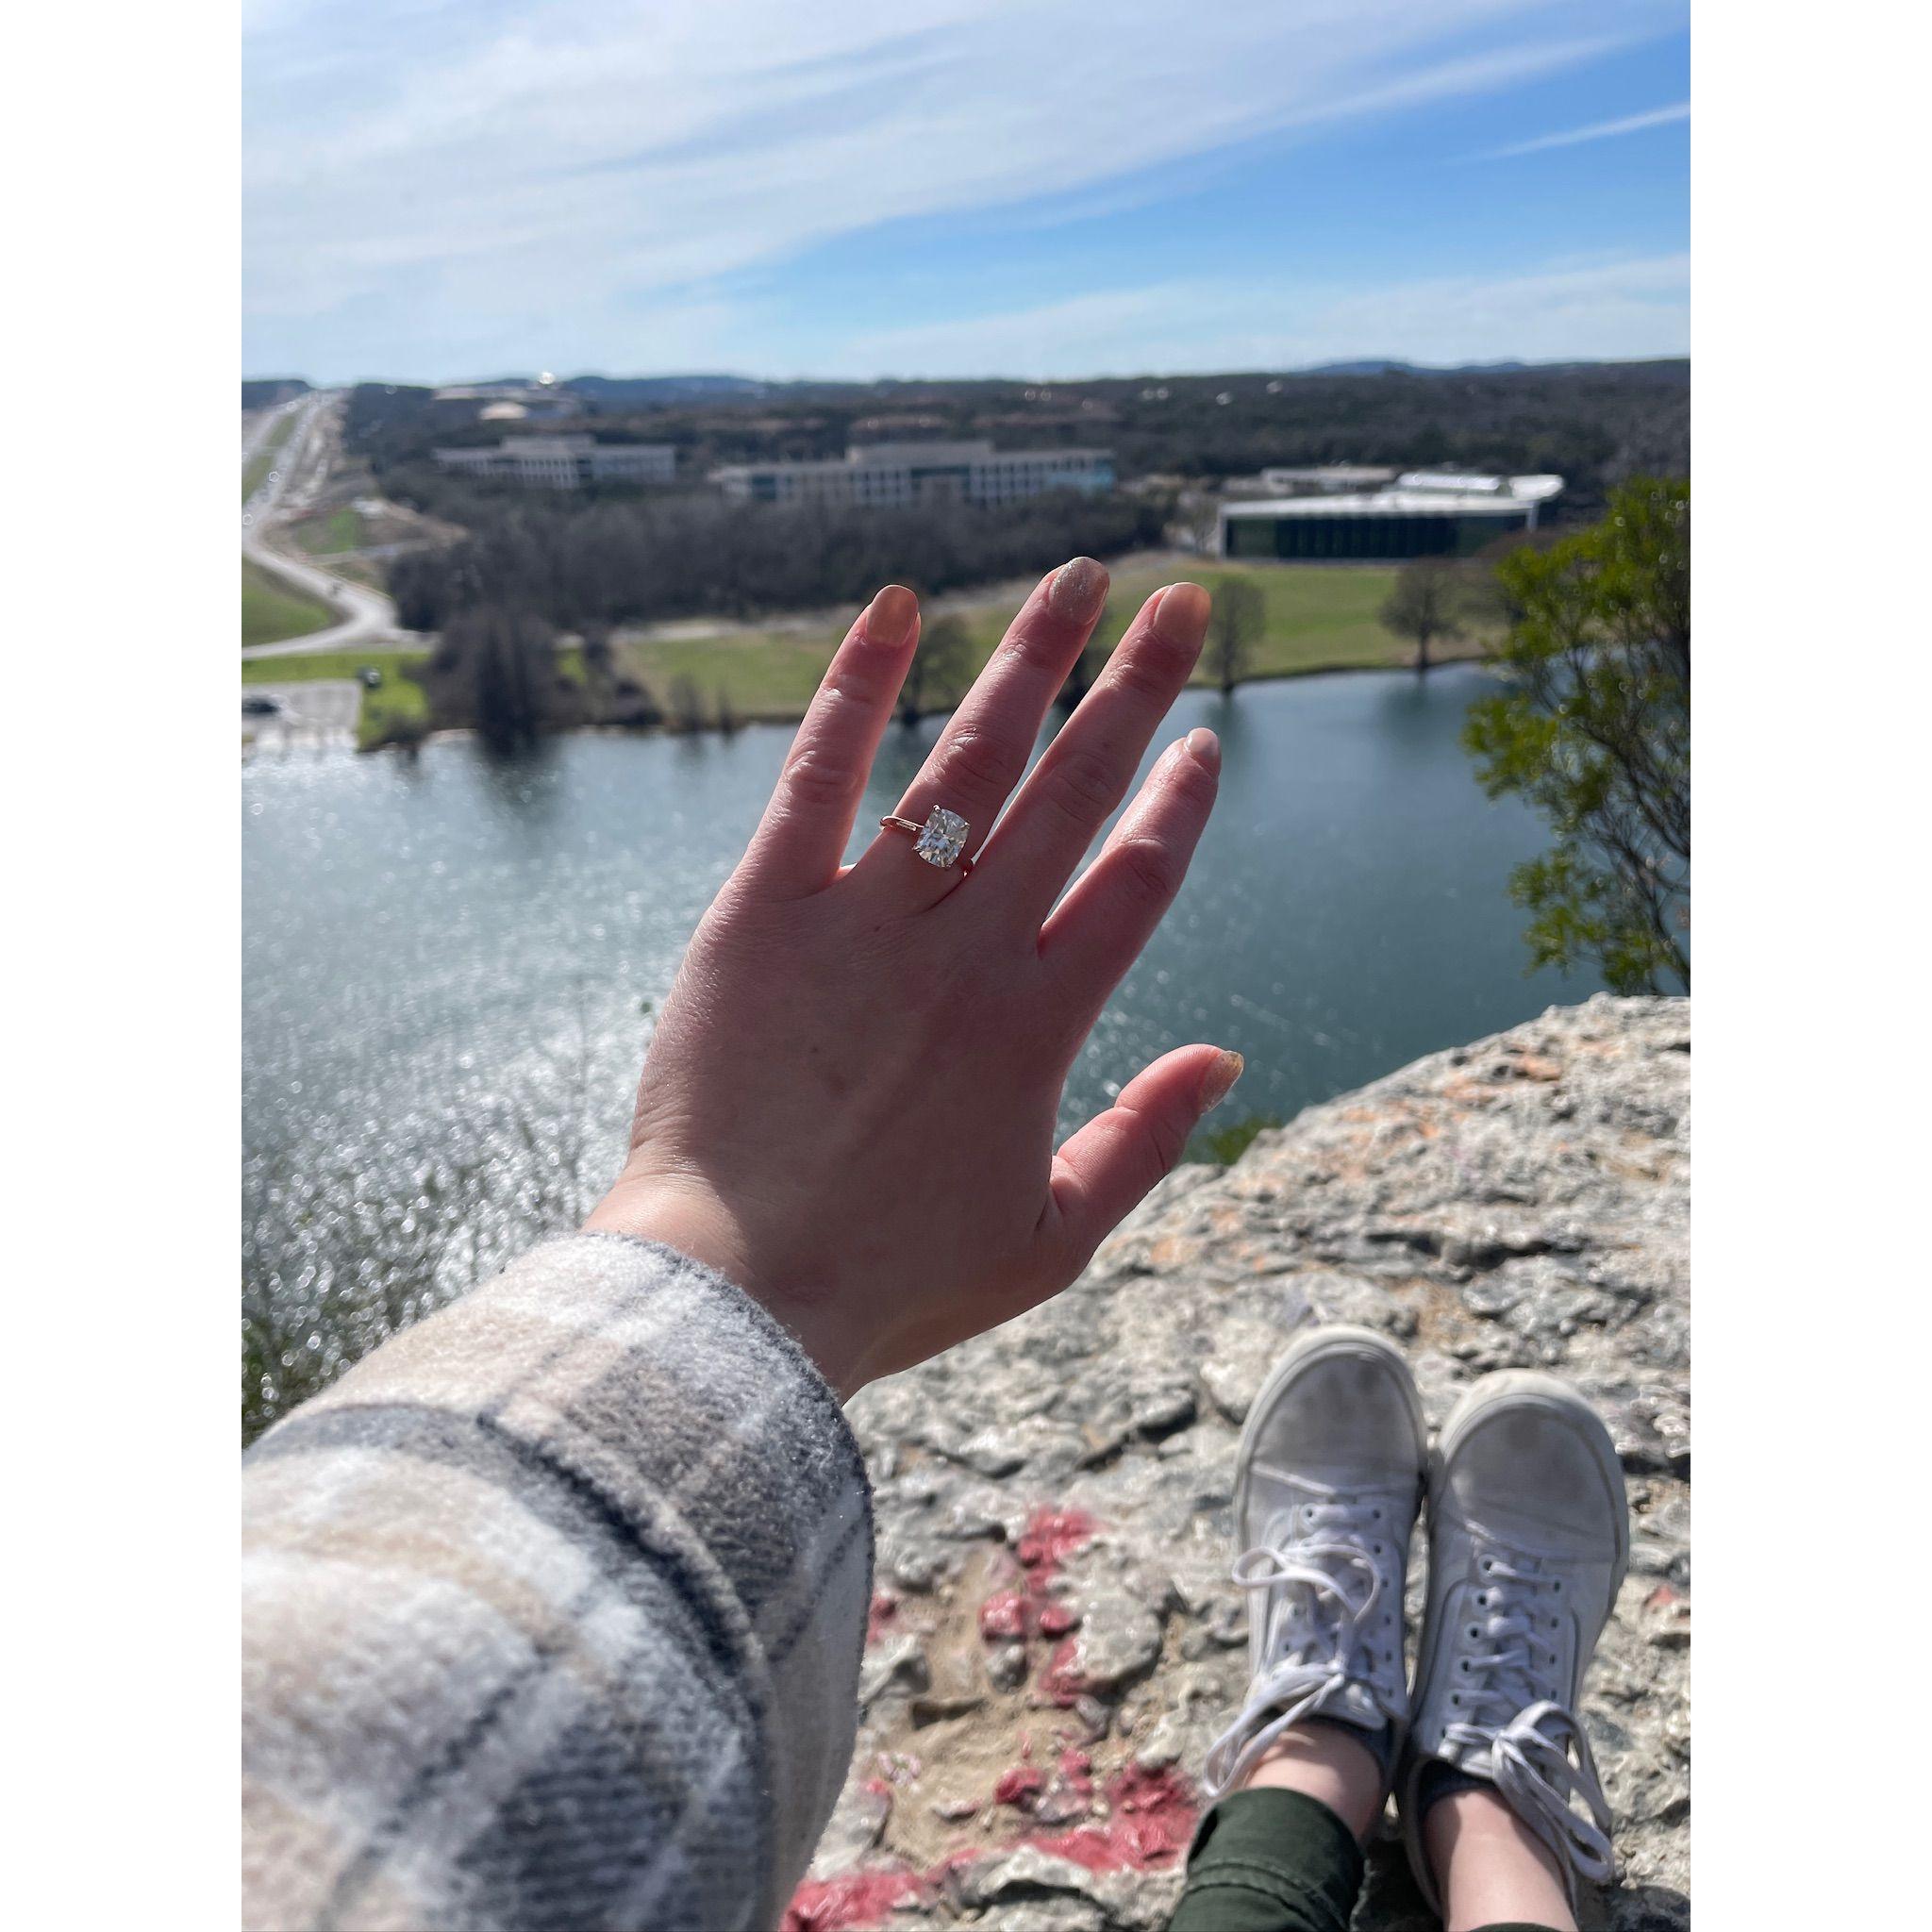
(984, 749)
(801, 839)
(1107, 1167)
(1099, 929)
(1079, 783)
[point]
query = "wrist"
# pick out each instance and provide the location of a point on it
(685, 1214)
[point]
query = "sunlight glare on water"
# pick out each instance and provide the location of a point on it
(450, 965)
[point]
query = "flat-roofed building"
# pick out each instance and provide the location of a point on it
(1423, 514)
(564, 462)
(1325, 479)
(892, 475)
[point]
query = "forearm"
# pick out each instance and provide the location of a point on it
(554, 1606)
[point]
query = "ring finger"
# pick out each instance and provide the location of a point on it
(982, 750)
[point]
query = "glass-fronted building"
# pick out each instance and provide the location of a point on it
(1424, 513)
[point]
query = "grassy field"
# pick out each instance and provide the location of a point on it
(341, 529)
(263, 460)
(1318, 619)
(398, 700)
(1321, 618)
(271, 613)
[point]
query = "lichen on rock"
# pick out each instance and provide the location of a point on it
(1062, 1639)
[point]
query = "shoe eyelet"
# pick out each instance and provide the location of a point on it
(1463, 1666)
(1556, 1586)
(1474, 1634)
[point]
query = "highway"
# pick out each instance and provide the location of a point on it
(366, 617)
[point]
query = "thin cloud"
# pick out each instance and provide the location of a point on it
(537, 179)
(1597, 130)
(1624, 309)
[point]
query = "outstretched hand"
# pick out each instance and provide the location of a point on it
(848, 1105)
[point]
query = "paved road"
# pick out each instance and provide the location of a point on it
(321, 711)
(365, 616)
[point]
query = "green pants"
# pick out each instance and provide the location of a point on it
(1274, 1861)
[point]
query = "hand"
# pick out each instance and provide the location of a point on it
(848, 1105)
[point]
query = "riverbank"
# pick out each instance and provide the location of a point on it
(1317, 619)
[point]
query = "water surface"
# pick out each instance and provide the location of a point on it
(449, 967)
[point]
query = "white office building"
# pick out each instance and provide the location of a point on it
(564, 462)
(1422, 514)
(1325, 479)
(891, 475)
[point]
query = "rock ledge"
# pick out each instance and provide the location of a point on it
(1054, 1639)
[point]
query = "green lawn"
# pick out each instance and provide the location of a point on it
(1319, 618)
(263, 460)
(398, 700)
(341, 529)
(272, 612)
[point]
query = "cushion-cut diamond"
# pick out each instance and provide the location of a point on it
(943, 838)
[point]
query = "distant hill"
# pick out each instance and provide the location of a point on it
(265, 392)
(642, 391)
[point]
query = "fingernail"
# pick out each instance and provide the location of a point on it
(1079, 589)
(1183, 613)
(1226, 1068)
(1205, 746)
(889, 617)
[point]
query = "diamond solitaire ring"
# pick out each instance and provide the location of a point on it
(940, 840)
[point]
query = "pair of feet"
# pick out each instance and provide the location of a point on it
(1528, 1539)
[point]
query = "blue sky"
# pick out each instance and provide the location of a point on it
(435, 190)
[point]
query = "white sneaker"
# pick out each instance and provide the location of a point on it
(1529, 1537)
(1327, 1484)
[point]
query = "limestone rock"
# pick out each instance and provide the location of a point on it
(1053, 1498)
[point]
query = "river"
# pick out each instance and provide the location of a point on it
(450, 965)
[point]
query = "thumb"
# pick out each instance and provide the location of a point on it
(1110, 1166)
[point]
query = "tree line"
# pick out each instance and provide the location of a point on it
(689, 555)
(1595, 423)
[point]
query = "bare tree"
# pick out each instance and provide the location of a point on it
(1427, 603)
(1200, 516)
(687, 706)
(507, 658)
(940, 671)
(1234, 627)
(599, 660)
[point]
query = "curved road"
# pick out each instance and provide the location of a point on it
(365, 616)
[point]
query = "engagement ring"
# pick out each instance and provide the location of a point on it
(940, 840)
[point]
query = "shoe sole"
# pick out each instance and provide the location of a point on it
(1518, 1388)
(1333, 1339)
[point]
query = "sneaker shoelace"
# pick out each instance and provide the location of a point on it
(1318, 1557)
(1539, 1754)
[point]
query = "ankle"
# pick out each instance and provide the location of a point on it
(1490, 1867)
(1326, 1762)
